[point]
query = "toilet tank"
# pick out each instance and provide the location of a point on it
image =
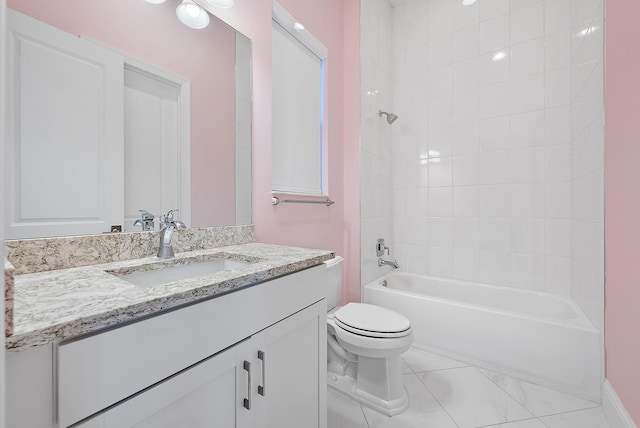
(334, 283)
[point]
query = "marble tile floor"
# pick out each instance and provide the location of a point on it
(445, 393)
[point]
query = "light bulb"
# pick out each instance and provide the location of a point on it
(192, 15)
(192, 10)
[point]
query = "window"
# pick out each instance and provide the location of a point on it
(298, 107)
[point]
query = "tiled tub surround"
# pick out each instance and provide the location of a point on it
(55, 305)
(8, 297)
(45, 254)
(494, 167)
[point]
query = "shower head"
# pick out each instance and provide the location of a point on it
(390, 116)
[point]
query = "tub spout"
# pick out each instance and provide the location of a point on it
(383, 262)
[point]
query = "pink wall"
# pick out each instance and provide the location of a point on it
(162, 40)
(336, 23)
(352, 149)
(622, 154)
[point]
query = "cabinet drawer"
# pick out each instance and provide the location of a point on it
(98, 371)
(203, 395)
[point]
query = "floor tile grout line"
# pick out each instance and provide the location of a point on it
(434, 370)
(595, 405)
(439, 370)
(482, 372)
(444, 357)
(436, 398)
(364, 416)
(507, 422)
(408, 365)
(543, 423)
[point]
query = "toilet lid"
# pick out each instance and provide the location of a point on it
(372, 321)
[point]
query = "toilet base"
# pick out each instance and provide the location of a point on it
(348, 386)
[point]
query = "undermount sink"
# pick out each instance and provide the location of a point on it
(164, 272)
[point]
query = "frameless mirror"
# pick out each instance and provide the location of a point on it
(146, 114)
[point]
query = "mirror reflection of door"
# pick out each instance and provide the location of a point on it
(65, 129)
(84, 120)
(156, 145)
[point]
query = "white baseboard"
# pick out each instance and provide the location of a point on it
(614, 410)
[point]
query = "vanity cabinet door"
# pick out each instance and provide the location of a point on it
(30, 398)
(293, 370)
(204, 395)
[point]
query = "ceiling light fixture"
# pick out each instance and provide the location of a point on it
(192, 15)
(225, 4)
(468, 2)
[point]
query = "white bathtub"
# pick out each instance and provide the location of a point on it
(539, 337)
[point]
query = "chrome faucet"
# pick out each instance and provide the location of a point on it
(383, 262)
(380, 247)
(145, 220)
(167, 226)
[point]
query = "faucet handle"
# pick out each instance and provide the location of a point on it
(145, 220)
(168, 217)
(146, 215)
(380, 247)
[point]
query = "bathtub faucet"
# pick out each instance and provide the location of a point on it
(383, 262)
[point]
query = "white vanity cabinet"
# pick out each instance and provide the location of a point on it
(198, 397)
(290, 388)
(252, 358)
(285, 389)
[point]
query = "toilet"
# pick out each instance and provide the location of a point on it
(364, 347)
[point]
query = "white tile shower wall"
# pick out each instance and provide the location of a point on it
(587, 146)
(497, 163)
(379, 203)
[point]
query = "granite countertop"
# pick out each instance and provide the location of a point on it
(56, 305)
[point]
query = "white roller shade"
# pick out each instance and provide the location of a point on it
(297, 116)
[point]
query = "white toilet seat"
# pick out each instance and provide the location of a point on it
(370, 331)
(372, 321)
(372, 347)
(372, 334)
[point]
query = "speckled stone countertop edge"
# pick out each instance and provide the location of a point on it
(48, 254)
(57, 305)
(9, 274)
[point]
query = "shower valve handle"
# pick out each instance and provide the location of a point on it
(380, 247)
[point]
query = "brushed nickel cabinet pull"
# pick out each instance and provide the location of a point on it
(247, 401)
(262, 387)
